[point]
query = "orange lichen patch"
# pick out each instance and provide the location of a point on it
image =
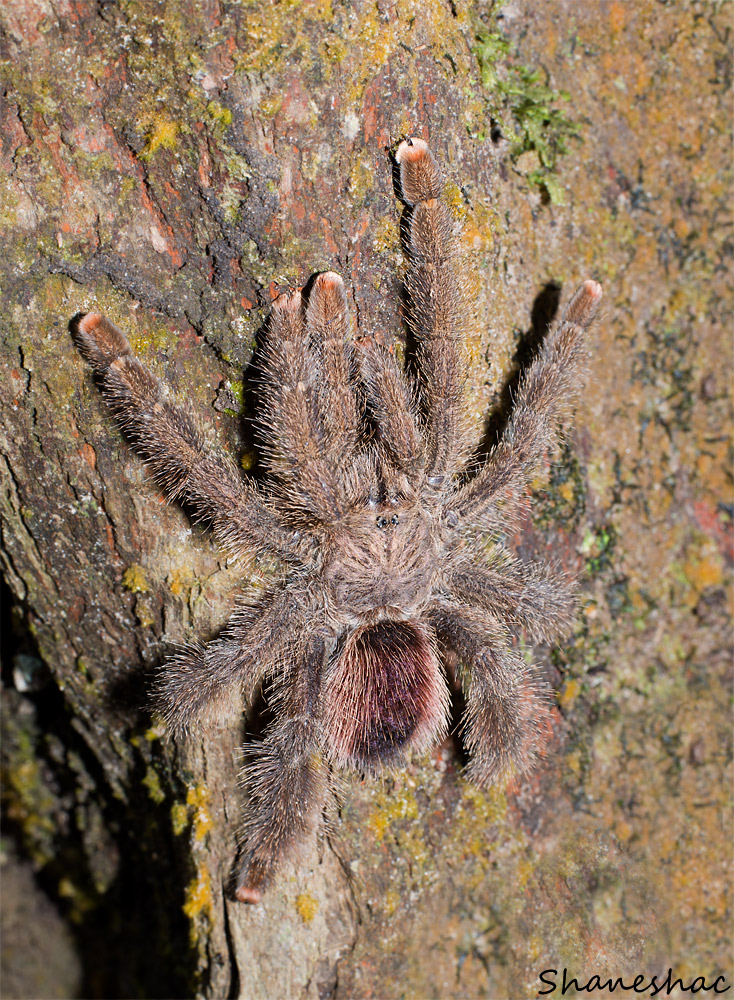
(704, 572)
(709, 521)
(180, 581)
(617, 16)
(89, 455)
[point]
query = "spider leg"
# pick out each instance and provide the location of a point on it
(328, 326)
(288, 778)
(536, 597)
(390, 398)
(184, 460)
(309, 419)
(547, 393)
(436, 312)
(203, 683)
(505, 704)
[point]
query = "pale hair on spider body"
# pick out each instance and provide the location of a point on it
(380, 530)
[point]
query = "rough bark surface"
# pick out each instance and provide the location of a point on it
(174, 165)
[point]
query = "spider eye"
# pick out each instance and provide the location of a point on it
(381, 522)
(394, 519)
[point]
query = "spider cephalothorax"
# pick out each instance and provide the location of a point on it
(391, 553)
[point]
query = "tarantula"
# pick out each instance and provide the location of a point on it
(390, 550)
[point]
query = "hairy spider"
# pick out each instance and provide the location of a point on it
(390, 551)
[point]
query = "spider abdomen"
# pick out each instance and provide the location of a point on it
(385, 692)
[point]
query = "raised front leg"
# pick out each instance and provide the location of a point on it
(290, 416)
(436, 309)
(327, 322)
(185, 461)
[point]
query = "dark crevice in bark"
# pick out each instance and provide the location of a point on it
(105, 870)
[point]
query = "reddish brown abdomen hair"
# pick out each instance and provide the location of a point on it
(384, 692)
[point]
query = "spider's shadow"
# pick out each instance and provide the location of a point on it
(530, 342)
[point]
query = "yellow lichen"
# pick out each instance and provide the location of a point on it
(387, 236)
(144, 612)
(162, 134)
(155, 732)
(570, 693)
(199, 899)
(179, 818)
(361, 178)
(566, 491)
(135, 580)
(153, 783)
(270, 105)
(388, 810)
(454, 199)
(198, 798)
(218, 114)
(153, 338)
(306, 906)
(391, 901)
(80, 902)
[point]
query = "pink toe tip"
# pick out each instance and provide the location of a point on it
(89, 322)
(247, 894)
(288, 300)
(330, 279)
(411, 149)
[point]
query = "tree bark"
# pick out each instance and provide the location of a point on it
(174, 167)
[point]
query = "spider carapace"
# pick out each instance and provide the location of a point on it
(390, 550)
